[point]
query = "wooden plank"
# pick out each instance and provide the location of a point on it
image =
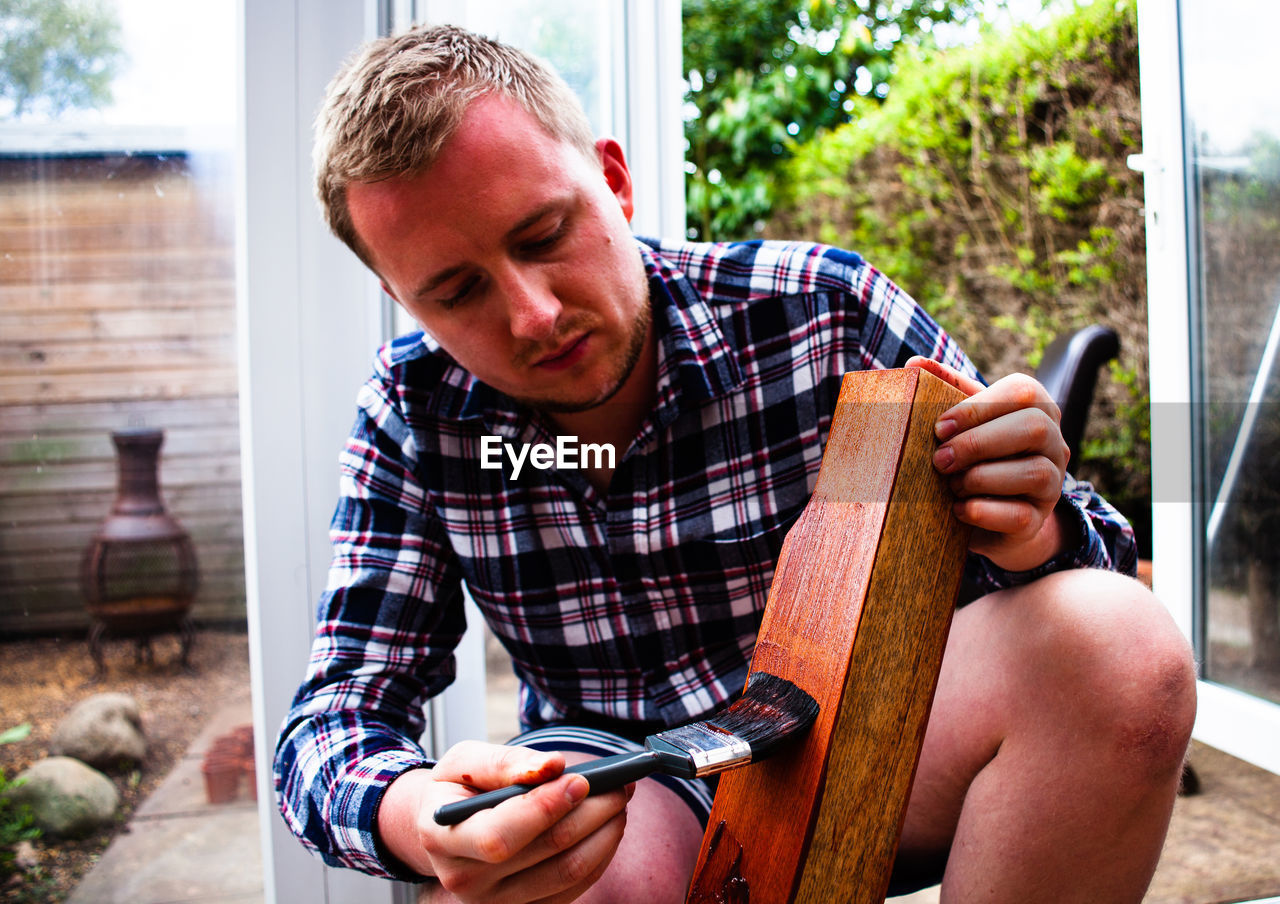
(54, 327)
(162, 263)
(63, 565)
(37, 598)
(65, 600)
(81, 417)
(191, 229)
(73, 201)
(225, 526)
(204, 292)
(857, 616)
(98, 475)
(19, 513)
(66, 615)
(196, 220)
(65, 593)
(49, 449)
(889, 687)
(170, 385)
(28, 357)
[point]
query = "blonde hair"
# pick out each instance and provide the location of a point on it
(391, 108)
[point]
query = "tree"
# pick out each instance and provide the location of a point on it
(57, 55)
(766, 75)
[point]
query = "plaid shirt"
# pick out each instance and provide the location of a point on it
(638, 607)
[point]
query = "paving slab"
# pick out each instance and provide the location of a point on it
(179, 848)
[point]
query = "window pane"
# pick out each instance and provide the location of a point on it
(572, 35)
(117, 316)
(1233, 129)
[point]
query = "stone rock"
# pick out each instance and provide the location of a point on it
(66, 797)
(104, 731)
(25, 857)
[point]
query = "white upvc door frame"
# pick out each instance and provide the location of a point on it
(1230, 720)
(310, 317)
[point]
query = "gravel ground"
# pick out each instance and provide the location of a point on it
(41, 679)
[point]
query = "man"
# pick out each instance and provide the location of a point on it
(628, 591)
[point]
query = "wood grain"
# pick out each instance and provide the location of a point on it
(857, 616)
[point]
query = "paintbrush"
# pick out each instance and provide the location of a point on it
(770, 712)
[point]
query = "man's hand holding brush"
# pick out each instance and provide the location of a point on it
(549, 844)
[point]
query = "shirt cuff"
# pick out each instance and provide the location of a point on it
(354, 806)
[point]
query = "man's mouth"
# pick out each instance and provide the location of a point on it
(567, 355)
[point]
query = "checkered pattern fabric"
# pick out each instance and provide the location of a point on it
(631, 610)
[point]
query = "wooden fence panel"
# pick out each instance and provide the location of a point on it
(117, 310)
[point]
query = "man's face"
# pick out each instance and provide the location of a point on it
(513, 252)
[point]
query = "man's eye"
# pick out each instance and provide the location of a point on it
(458, 297)
(546, 242)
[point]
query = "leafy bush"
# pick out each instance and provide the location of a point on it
(992, 185)
(764, 76)
(16, 821)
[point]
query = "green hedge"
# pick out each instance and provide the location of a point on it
(992, 185)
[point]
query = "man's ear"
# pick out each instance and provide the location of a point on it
(616, 173)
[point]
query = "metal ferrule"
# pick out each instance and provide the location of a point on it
(708, 749)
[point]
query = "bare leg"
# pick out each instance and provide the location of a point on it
(1053, 754)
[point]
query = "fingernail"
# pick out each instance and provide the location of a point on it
(944, 457)
(945, 429)
(577, 788)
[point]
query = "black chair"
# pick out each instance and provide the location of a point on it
(1069, 371)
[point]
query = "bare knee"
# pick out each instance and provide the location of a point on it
(655, 861)
(1124, 671)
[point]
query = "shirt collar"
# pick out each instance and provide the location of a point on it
(696, 363)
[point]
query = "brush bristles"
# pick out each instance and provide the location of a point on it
(770, 711)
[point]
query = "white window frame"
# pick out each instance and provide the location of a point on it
(1238, 723)
(309, 318)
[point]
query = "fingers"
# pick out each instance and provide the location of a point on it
(576, 869)
(547, 844)
(1012, 434)
(556, 864)
(1002, 451)
(1007, 476)
(1015, 393)
(1034, 478)
(502, 834)
(488, 766)
(965, 384)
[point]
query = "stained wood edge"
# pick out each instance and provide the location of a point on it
(777, 800)
(889, 686)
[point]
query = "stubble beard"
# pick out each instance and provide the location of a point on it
(631, 357)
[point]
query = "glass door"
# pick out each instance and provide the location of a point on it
(1232, 130)
(118, 345)
(1211, 159)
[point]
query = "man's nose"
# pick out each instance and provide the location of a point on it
(532, 308)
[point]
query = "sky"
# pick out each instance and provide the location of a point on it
(179, 68)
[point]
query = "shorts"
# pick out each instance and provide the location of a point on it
(696, 793)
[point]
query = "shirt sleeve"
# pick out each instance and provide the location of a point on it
(893, 329)
(388, 622)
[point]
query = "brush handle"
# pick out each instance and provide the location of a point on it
(603, 774)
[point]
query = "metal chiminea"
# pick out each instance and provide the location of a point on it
(139, 574)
